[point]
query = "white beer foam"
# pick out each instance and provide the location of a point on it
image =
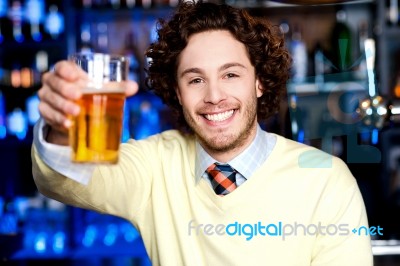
(108, 87)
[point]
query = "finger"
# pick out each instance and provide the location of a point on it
(58, 102)
(68, 89)
(131, 88)
(54, 118)
(69, 70)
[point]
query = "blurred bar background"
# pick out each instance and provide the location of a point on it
(342, 98)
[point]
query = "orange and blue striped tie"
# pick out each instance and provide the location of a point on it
(222, 177)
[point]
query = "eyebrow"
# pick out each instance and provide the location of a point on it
(221, 68)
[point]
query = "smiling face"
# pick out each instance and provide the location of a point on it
(218, 91)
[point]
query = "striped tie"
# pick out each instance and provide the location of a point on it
(223, 178)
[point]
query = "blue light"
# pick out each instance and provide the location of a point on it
(8, 223)
(153, 33)
(300, 137)
(19, 38)
(130, 232)
(29, 238)
(148, 123)
(17, 123)
(21, 135)
(37, 37)
(374, 136)
(3, 132)
(54, 23)
(3, 8)
(90, 236)
(3, 117)
(111, 235)
(35, 11)
(365, 136)
(40, 245)
(59, 242)
(32, 109)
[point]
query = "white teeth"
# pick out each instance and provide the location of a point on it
(220, 117)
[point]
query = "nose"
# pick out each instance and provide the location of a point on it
(215, 93)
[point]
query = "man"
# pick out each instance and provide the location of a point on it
(220, 191)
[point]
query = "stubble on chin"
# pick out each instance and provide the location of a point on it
(220, 143)
(223, 141)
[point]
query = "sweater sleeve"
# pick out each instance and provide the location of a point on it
(59, 157)
(342, 210)
(121, 189)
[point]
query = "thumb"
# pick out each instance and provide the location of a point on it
(131, 88)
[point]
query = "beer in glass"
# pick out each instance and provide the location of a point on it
(96, 131)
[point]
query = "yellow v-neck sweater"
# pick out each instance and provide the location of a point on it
(298, 208)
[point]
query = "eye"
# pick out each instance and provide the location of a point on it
(195, 81)
(231, 75)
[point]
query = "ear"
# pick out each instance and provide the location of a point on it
(178, 94)
(259, 89)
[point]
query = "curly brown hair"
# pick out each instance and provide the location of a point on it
(264, 43)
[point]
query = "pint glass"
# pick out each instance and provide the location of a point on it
(96, 131)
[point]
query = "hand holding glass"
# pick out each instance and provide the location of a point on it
(95, 133)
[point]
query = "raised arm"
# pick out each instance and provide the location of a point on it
(59, 90)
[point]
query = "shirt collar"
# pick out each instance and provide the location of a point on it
(245, 163)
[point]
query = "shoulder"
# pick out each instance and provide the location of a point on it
(314, 174)
(306, 155)
(167, 141)
(308, 161)
(171, 138)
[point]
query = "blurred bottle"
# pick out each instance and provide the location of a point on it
(341, 40)
(26, 77)
(32, 109)
(116, 4)
(17, 123)
(285, 29)
(54, 23)
(16, 16)
(41, 61)
(319, 66)
(15, 76)
(131, 51)
(393, 13)
(9, 218)
(102, 37)
(86, 38)
(35, 14)
(144, 3)
(397, 86)
(295, 119)
(363, 35)
(300, 56)
(130, 3)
